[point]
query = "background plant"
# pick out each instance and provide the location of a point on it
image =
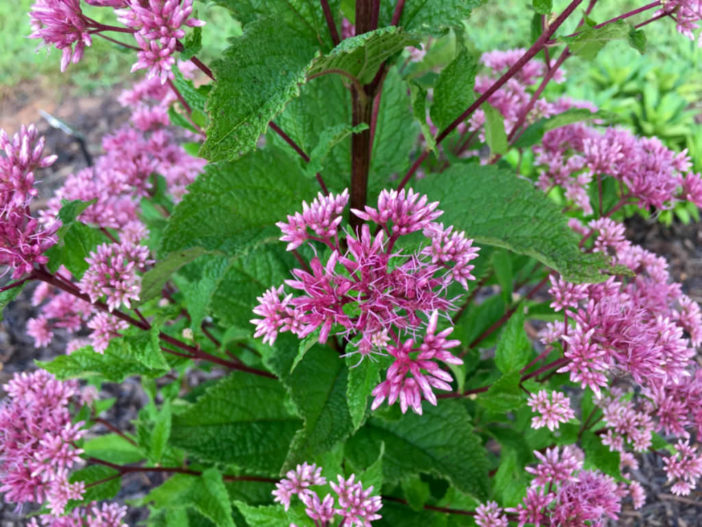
(470, 184)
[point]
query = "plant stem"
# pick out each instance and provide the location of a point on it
(364, 16)
(333, 32)
(14, 284)
(511, 72)
(112, 428)
(397, 14)
(285, 137)
(555, 364)
(361, 112)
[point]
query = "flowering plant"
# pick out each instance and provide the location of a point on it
(442, 340)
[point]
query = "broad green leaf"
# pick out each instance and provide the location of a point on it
(502, 262)
(123, 357)
(8, 296)
(416, 492)
(432, 16)
(102, 483)
(318, 389)
(396, 132)
(543, 7)
(222, 211)
(363, 377)
(504, 394)
(373, 475)
(362, 55)
(113, 448)
(75, 240)
(453, 92)
(305, 345)
(195, 97)
(510, 483)
(599, 456)
(590, 40)
(255, 77)
(637, 40)
(241, 420)
(155, 278)
(160, 433)
(211, 499)
(495, 207)
(514, 348)
(271, 515)
(439, 442)
(495, 134)
(419, 110)
(328, 139)
(192, 43)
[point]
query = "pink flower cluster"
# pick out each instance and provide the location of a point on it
(552, 409)
(105, 515)
(687, 15)
(22, 240)
(112, 273)
(37, 441)
(158, 24)
(354, 505)
(372, 293)
(563, 494)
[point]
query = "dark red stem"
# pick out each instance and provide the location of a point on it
(329, 17)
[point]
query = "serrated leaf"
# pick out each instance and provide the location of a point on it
(514, 347)
(373, 475)
(599, 456)
(156, 277)
(362, 55)
(504, 394)
(543, 7)
(328, 139)
(122, 358)
(192, 43)
(495, 207)
(75, 240)
(495, 134)
(416, 492)
(160, 433)
(211, 499)
(502, 263)
(590, 40)
(431, 16)
(261, 71)
(305, 345)
(363, 377)
(113, 448)
(453, 92)
(318, 389)
(419, 110)
(222, 211)
(509, 484)
(425, 444)
(195, 97)
(241, 420)
(102, 483)
(271, 515)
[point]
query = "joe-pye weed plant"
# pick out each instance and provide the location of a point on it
(395, 326)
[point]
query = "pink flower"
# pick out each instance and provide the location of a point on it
(449, 246)
(39, 330)
(638, 495)
(490, 515)
(408, 212)
(105, 327)
(297, 483)
(356, 506)
(554, 409)
(61, 23)
(593, 497)
(683, 468)
(557, 466)
(322, 217)
(566, 295)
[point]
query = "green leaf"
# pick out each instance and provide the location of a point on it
(502, 262)
(535, 132)
(495, 134)
(453, 92)
(362, 55)
(318, 389)
(192, 44)
(514, 347)
(590, 41)
(440, 442)
(261, 71)
(543, 7)
(222, 211)
(419, 109)
(270, 516)
(373, 475)
(416, 492)
(195, 97)
(211, 499)
(504, 394)
(8, 296)
(363, 377)
(433, 16)
(599, 456)
(396, 132)
(495, 207)
(328, 139)
(101, 482)
(160, 433)
(509, 484)
(75, 240)
(155, 278)
(113, 448)
(305, 345)
(637, 40)
(123, 357)
(241, 420)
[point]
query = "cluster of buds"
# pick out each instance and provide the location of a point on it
(105, 515)
(354, 505)
(379, 298)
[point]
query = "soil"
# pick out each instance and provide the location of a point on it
(96, 115)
